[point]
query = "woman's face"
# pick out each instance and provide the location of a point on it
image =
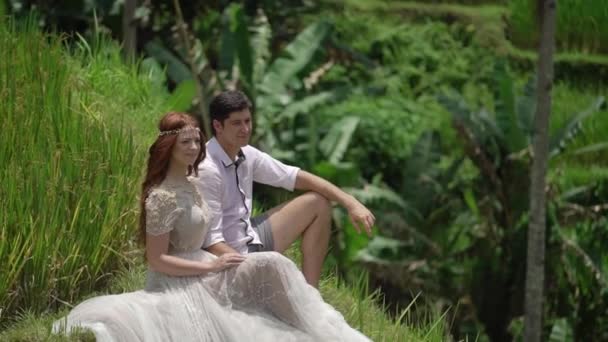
(187, 147)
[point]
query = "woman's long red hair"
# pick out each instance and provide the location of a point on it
(160, 156)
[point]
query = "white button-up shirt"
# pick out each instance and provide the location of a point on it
(226, 185)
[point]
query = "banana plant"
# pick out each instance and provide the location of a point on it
(499, 143)
(276, 86)
(469, 210)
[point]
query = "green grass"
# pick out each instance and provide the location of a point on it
(506, 29)
(359, 307)
(581, 25)
(70, 166)
(486, 20)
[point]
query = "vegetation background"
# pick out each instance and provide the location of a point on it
(422, 110)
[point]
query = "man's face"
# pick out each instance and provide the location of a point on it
(236, 129)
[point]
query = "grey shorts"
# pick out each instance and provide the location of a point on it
(261, 225)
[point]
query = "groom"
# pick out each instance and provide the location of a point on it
(226, 182)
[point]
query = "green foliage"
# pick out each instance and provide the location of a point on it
(568, 132)
(399, 103)
(471, 217)
(568, 99)
(293, 59)
(235, 44)
(177, 70)
(580, 25)
(447, 224)
(414, 56)
(388, 127)
(577, 268)
(510, 130)
(561, 331)
(75, 124)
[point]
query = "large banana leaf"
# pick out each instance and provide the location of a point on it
(592, 148)
(526, 108)
(372, 194)
(383, 250)
(227, 43)
(308, 104)
(572, 127)
(235, 43)
(181, 98)
(481, 125)
(336, 141)
(296, 56)
(177, 70)
(260, 43)
(457, 106)
(507, 117)
(154, 72)
(342, 174)
(561, 331)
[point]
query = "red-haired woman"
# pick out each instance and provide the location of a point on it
(190, 294)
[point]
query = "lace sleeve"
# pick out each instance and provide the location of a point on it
(161, 212)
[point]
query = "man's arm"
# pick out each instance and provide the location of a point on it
(220, 248)
(211, 187)
(360, 216)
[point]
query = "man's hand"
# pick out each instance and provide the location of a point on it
(360, 217)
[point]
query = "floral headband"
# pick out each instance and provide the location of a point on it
(177, 131)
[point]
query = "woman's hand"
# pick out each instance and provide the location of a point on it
(227, 260)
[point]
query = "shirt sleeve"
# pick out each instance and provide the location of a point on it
(211, 187)
(161, 212)
(267, 170)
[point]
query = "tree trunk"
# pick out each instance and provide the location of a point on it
(200, 91)
(535, 272)
(129, 30)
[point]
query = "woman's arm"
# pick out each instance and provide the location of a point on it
(157, 247)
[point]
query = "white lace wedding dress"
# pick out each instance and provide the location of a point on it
(266, 298)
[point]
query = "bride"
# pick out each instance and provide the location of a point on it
(190, 294)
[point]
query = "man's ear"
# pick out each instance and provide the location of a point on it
(217, 125)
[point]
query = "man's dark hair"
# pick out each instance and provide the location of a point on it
(225, 103)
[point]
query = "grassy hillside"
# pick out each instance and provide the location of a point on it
(75, 127)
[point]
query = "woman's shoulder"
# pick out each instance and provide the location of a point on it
(161, 195)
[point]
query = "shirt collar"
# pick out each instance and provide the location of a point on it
(215, 149)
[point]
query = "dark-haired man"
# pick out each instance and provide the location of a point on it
(226, 181)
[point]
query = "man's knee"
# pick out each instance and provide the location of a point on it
(318, 203)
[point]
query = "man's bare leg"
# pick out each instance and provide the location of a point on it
(309, 216)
